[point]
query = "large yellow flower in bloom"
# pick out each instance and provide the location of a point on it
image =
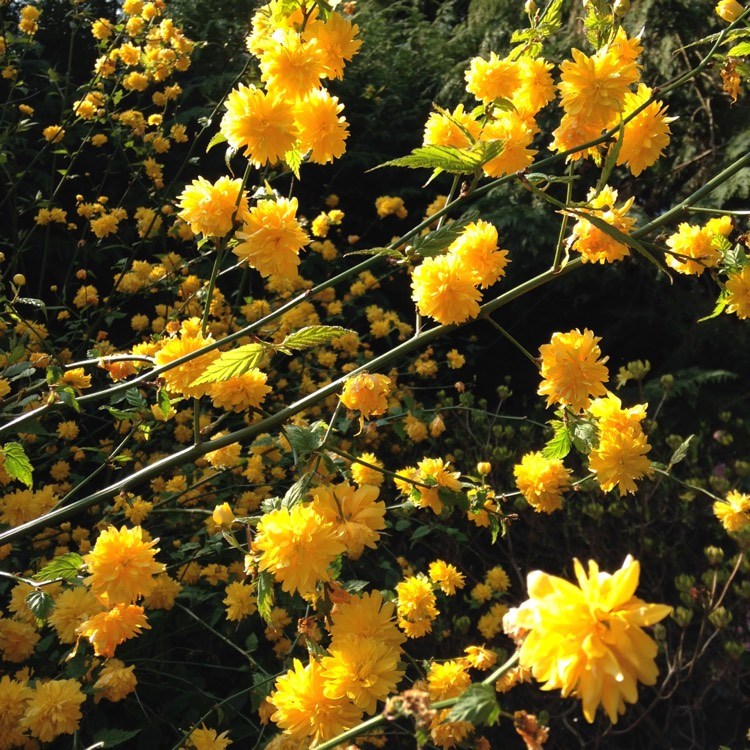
(271, 238)
(738, 293)
(14, 695)
(72, 608)
(259, 122)
(212, 209)
(240, 601)
(595, 245)
(492, 79)
(107, 630)
(572, 370)
(646, 135)
(303, 710)
(536, 87)
(297, 546)
(620, 457)
(574, 131)
(354, 513)
(180, 379)
(478, 250)
(416, 605)
(54, 708)
(122, 565)
(205, 738)
(367, 616)
(241, 392)
(447, 679)
(444, 289)
(693, 250)
(516, 135)
(290, 66)
(322, 131)
(734, 511)
(367, 394)
(116, 681)
(361, 669)
(336, 38)
(587, 640)
(447, 576)
(594, 88)
(542, 481)
(457, 128)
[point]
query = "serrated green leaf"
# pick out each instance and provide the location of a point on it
(681, 451)
(559, 446)
(387, 251)
(265, 595)
(164, 402)
(739, 50)
(33, 302)
(449, 158)
(40, 603)
(584, 436)
(303, 440)
(120, 413)
(216, 139)
(551, 18)
(232, 363)
(433, 243)
(311, 336)
(477, 704)
(64, 567)
(293, 160)
(68, 396)
(17, 463)
(721, 303)
(113, 737)
(136, 399)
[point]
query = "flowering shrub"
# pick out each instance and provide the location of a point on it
(239, 497)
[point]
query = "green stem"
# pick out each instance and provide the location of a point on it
(513, 341)
(384, 472)
(564, 223)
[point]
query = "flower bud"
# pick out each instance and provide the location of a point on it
(484, 468)
(729, 10)
(19, 279)
(223, 515)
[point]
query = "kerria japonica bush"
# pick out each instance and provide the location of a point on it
(247, 494)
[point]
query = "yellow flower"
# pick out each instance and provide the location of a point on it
(456, 360)
(109, 629)
(14, 694)
(620, 457)
(516, 135)
(204, 738)
(734, 511)
(416, 605)
(17, 640)
(303, 710)
(240, 601)
(87, 295)
(291, 66)
(646, 135)
(542, 481)
(447, 576)
(297, 546)
(480, 657)
(477, 249)
(164, 593)
(575, 131)
(261, 123)
(498, 579)
(364, 474)
(693, 250)
(492, 79)
(321, 130)
(729, 10)
(72, 608)
(336, 38)
(367, 616)
(53, 133)
(54, 708)
(587, 640)
(271, 238)
(115, 681)
(386, 205)
(240, 393)
(212, 209)
(367, 393)
(223, 516)
(738, 293)
(595, 245)
(458, 129)
(536, 88)
(354, 513)
(363, 670)
(447, 679)
(594, 88)
(444, 289)
(572, 370)
(122, 565)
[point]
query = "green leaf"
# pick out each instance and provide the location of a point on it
(681, 451)
(476, 704)
(233, 363)
(164, 403)
(559, 446)
(551, 18)
(449, 158)
(311, 336)
(296, 493)
(68, 396)
(119, 413)
(611, 161)
(136, 399)
(293, 160)
(265, 595)
(33, 302)
(17, 463)
(387, 251)
(721, 303)
(303, 440)
(40, 603)
(739, 50)
(105, 738)
(216, 139)
(65, 566)
(433, 243)
(584, 436)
